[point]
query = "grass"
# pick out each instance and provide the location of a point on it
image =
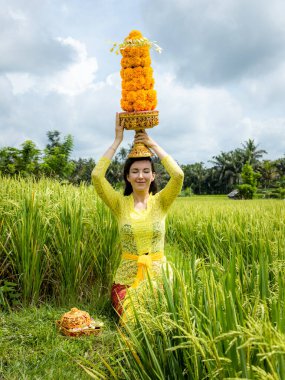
(53, 238)
(31, 347)
(222, 317)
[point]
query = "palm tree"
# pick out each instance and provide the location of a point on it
(194, 176)
(250, 152)
(229, 166)
(268, 173)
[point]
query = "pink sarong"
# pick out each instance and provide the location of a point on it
(118, 293)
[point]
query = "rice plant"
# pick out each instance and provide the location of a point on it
(26, 249)
(202, 328)
(58, 242)
(222, 316)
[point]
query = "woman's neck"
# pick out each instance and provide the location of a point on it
(140, 200)
(140, 196)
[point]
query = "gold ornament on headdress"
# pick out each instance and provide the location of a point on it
(138, 95)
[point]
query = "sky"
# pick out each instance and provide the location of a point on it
(220, 78)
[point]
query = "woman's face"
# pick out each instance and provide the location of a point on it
(140, 175)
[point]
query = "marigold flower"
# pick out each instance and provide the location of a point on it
(137, 74)
(134, 34)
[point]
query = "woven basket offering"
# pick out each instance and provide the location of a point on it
(139, 120)
(78, 322)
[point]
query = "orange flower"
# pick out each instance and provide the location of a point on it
(140, 95)
(135, 62)
(131, 51)
(134, 34)
(137, 74)
(126, 106)
(145, 61)
(140, 105)
(129, 96)
(149, 83)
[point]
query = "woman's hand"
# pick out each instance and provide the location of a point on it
(119, 130)
(143, 137)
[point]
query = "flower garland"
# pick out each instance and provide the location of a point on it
(135, 39)
(137, 75)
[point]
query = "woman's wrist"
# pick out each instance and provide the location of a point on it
(116, 143)
(153, 146)
(158, 151)
(111, 150)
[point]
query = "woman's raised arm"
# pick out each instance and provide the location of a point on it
(119, 134)
(104, 189)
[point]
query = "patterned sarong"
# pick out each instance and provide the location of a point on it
(118, 293)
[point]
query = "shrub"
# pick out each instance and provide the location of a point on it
(246, 191)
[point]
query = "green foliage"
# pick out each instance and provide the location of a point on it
(56, 161)
(282, 193)
(9, 296)
(246, 191)
(53, 241)
(228, 166)
(197, 338)
(32, 348)
(227, 169)
(250, 152)
(249, 178)
(161, 175)
(29, 159)
(26, 249)
(267, 170)
(9, 160)
(23, 161)
(280, 166)
(278, 193)
(194, 177)
(187, 192)
(221, 317)
(82, 171)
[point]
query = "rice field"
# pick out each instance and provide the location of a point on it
(222, 316)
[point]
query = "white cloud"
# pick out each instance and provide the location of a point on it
(195, 121)
(268, 91)
(79, 76)
(76, 78)
(21, 82)
(220, 79)
(26, 46)
(216, 42)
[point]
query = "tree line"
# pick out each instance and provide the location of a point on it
(227, 170)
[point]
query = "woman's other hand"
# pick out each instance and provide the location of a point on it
(143, 137)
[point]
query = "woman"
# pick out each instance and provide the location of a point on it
(140, 212)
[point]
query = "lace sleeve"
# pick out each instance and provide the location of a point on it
(174, 185)
(103, 188)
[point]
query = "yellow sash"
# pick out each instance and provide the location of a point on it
(144, 264)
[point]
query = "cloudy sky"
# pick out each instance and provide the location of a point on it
(220, 79)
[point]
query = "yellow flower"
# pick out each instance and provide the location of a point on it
(134, 34)
(137, 74)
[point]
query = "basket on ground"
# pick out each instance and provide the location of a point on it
(78, 322)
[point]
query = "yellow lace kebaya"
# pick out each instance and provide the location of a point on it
(141, 231)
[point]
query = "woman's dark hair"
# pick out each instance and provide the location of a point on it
(128, 187)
